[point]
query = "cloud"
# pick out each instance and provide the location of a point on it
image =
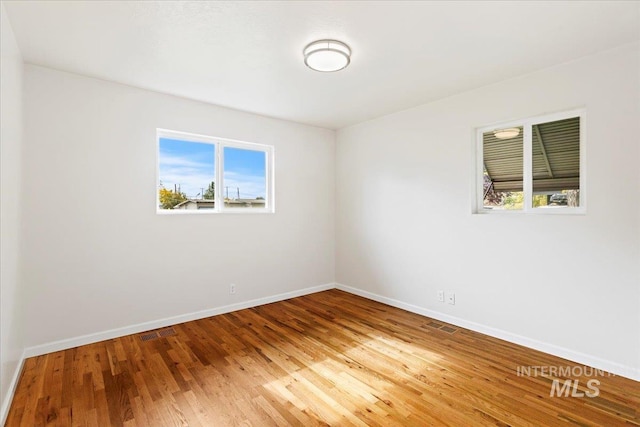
(192, 175)
(186, 172)
(251, 186)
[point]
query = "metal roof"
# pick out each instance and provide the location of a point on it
(556, 157)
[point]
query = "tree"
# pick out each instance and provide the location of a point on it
(539, 200)
(514, 200)
(169, 199)
(573, 198)
(491, 196)
(210, 194)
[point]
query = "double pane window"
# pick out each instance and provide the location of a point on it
(534, 165)
(204, 174)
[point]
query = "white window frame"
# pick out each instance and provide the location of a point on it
(527, 125)
(219, 144)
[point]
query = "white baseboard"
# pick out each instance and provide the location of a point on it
(565, 353)
(161, 323)
(6, 403)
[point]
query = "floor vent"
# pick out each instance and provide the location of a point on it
(446, 328)
(162, 333)
(148, 336)
(167, 332)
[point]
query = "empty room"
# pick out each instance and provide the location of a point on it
(320, 213)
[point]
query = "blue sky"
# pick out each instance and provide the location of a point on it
(191, 166)
(244, 169)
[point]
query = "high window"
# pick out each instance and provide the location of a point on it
(534, 165)
(199, 173)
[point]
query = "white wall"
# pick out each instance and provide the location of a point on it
(10, 189)
(568, 284)
(98, 255)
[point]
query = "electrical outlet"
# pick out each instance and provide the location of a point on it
(441, 296)
(232, 289)
(451, 298)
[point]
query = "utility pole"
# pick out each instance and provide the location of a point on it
(202, 193)
(227, 190)
(238, 192)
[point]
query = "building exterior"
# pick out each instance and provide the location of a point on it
(194, 204)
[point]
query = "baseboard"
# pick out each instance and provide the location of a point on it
(6, 403)
(161, 323)
(565, 353)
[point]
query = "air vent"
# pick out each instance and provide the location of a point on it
(149, 336)
(162, 333)
(166, 332)
(446, 328)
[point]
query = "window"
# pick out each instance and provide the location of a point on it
(534, 165)
(204, 174)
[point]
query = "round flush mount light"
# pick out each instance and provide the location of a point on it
(506, 133)
(327, 55)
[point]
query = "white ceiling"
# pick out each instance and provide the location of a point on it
(248, 55)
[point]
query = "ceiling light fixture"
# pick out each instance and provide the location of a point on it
(506, 133)
(327, 55)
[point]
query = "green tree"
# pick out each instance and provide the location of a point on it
(514, 200)
(210, 194)
(539, 200)
(169, 199)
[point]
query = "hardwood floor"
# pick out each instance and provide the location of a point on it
(329, 358)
